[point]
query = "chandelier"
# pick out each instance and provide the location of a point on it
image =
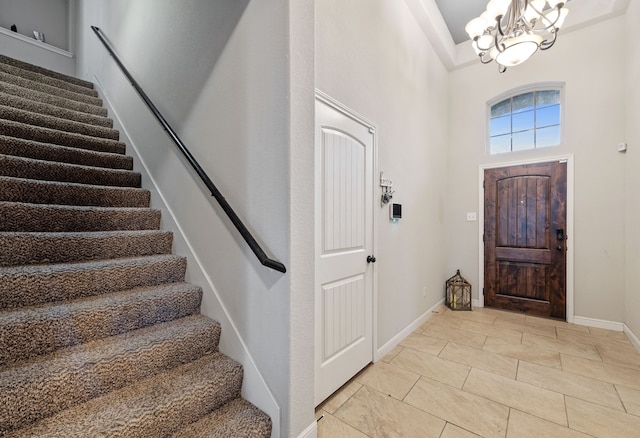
(510, 31)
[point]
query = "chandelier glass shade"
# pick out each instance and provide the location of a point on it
(510, 31)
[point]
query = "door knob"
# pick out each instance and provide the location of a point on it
(371, 259)
(559, 247)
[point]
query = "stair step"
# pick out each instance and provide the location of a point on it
(52, 110)
(154, 407)
(237, 419)
(60, 102)
(44, 79)
(71, 139)
(19, 147)
(44, 71)
(52, 192)
(64, 125)
(44, 88)
(40, 248)
(17, 216)
(75, 322)
(33, 285)
(28, 168)
(50, 384)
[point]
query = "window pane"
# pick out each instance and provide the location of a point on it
(547, 116)
(501, 125)
(522, 121)
(547, 97)
(500, 144)
(523, 140)
(501, 108)
(548, 136)
(523, 102)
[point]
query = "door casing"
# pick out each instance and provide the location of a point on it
(570, 225)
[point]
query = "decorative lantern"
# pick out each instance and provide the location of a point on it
(458, 292)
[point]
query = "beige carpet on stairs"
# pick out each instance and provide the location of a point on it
(100, 335)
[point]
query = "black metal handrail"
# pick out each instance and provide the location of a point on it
(242, 229)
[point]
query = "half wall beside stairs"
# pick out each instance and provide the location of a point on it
(99, 333)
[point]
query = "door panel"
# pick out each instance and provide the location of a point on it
(344, 239)
(525, 259)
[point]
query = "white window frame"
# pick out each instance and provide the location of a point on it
(540, 86)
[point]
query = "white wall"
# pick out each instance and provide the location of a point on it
(222, 74)
(372, 56)
(632, 158)
(594, 123)
(47, 16)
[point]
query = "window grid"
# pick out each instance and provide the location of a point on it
(532, 117)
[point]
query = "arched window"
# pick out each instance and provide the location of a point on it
(526, 120)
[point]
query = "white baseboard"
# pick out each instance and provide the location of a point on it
(598, 323)
(477, 303)
(311, 431)
(632, 337)
(388, 346)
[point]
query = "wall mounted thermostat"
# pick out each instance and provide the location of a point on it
(395, 211)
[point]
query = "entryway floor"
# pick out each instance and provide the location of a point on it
(490, 373)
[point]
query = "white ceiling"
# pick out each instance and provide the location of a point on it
(443, 22)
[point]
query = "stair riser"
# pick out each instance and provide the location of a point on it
(42, 192)
(67, 383)
(49, 99)
(47, 135)
(53, 91)
(63, 154)
(50, 110)
(26, 66)
(83, 321)
(31, 249)
(28, 168)
(43, 79)
(30, 286)
(35, 218)
(59, 124)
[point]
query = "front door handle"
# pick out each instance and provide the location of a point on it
(371, 259)
(560, 248)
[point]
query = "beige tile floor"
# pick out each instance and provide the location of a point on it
(488, 373)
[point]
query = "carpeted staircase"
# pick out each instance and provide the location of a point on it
(99, 333)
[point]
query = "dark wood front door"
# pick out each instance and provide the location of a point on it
(525, 238)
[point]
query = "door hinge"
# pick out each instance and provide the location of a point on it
(483, 181)
(483, 236)
(483, 291)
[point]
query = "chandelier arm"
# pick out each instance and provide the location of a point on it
(545, 45)
(553, 25)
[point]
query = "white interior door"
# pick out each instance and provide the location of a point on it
(344, 240)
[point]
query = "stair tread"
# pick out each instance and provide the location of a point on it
(152, 407)
(69, 193)
(54, 122)
(26, 131)
(32, 248)
(25, 65)
(53, 171)
(46, 79)
(18, 147)
(21, 216)
(48, 89)
(50, 99)
(237, 419)
(48, 384)
(34, 106)
(28, 285)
